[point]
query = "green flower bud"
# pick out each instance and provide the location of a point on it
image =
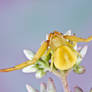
(78, 60)
(46, 58)
(43, 64)
(79, 69)
(39, 74)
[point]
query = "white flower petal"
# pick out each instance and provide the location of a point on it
(39, 74)
(75, 47)
(30, 89)
(83, 51)
(29, 54)
(78, 60)
(43, 87)
(69, 32)
(47, 36)
(29, 69)
(50, 86)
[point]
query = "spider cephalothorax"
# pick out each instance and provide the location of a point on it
(61, 47)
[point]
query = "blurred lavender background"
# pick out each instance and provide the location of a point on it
(24, 24)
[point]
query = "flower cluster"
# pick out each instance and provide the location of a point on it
(42, 66)
(49, 87)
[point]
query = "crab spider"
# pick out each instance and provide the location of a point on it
(63, 56)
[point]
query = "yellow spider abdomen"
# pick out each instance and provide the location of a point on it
(64, 58)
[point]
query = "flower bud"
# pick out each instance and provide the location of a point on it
(39, 74)
(46, 58)
(79, 59)
(79, 69)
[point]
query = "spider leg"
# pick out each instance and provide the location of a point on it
(37, 56)
(52, 62)
(78, 39)
(17, 67)
(69, 44)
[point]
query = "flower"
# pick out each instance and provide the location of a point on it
(42, 66)
(82, 52)
(73, 56)
(49, 87)
(77, 68)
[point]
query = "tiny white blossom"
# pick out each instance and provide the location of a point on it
(39, 74)
(29, 69)
(43, 87)
(50, 86)
(83, 51)
(29, 54)
(30, 89)
(47, 36)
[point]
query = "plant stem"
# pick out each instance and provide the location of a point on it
(63, 77)
(65, 83)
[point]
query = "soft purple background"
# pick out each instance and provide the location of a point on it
(24, 23)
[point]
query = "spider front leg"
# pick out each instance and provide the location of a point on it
(52, 62)
(37, 56)
(78, 39)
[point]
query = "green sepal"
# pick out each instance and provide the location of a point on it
(79, 69)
